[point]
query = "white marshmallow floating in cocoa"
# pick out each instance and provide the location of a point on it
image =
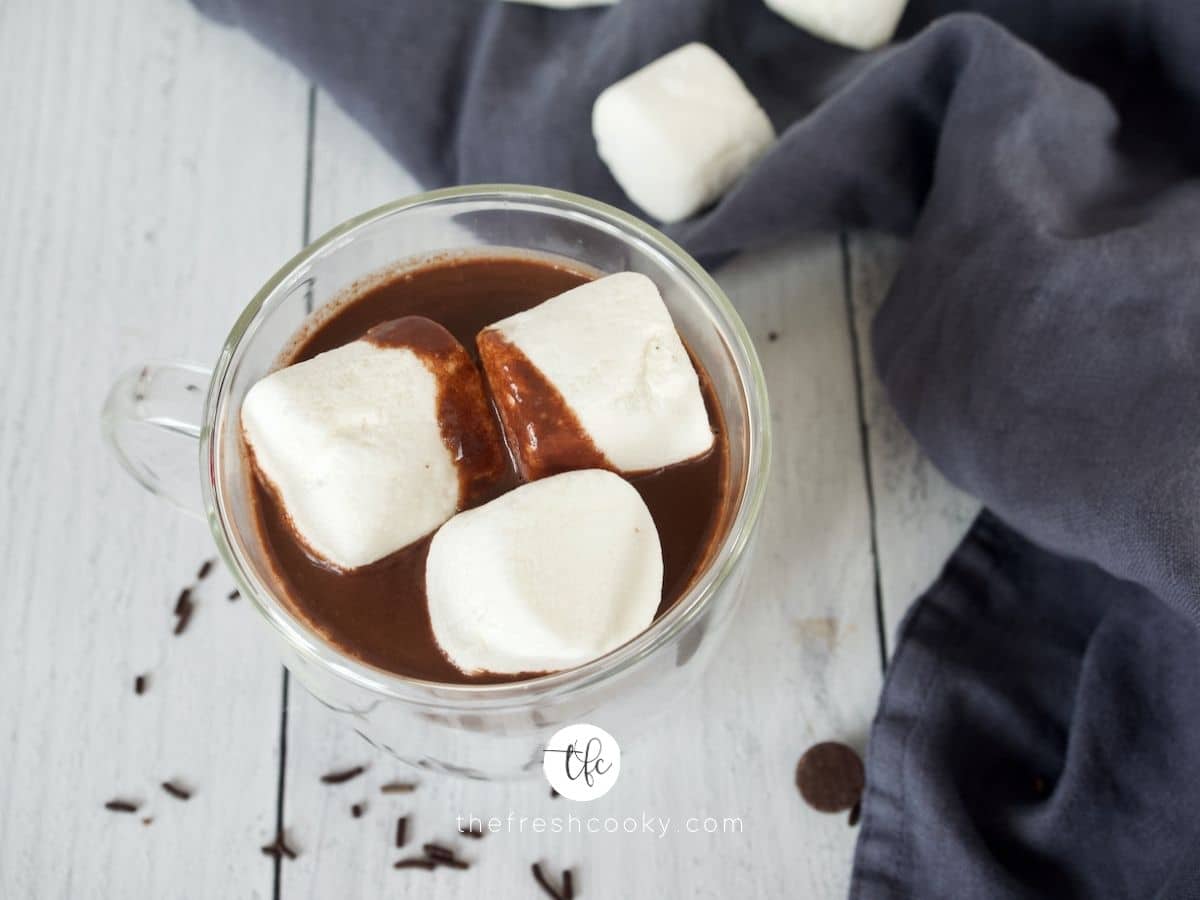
(551, 575)
(596, 377)
(374, 444)
(677, 133)
(861, 24)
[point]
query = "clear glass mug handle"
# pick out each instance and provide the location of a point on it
(151, 421)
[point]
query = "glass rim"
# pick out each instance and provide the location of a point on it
(312, 646)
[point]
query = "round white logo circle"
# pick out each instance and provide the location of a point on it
(582, 762)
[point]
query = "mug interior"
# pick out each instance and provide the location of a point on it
(482, 221)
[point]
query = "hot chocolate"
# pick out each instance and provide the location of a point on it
(379, 612)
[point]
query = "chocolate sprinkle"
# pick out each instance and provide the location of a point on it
(398, 787)
(279, 848)
(472, 832)
(342, 776)
(855, 814)
(444, 856)
(139, 685)
(415, 862)
(205, 568)
(401, 831)
(233, 595)
(177, 792)
(830, 777)
(438, 852)
(185, 616)
(121, 806)
(183, 601)
(356, 810)
(568, 885)
(192, 388)
(772, 336)
(536, 869)
(147, 820)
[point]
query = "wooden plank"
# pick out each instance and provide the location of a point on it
(151, 169)
(919, 516)
(801, 664)
(350, 171)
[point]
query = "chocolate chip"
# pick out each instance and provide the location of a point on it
(830, 777)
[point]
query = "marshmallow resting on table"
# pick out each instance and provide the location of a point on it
(548, 576)
(677, 133)
(861, 24)
(352, 440)
(596, 377)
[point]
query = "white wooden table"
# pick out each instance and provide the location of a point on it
(154, 170)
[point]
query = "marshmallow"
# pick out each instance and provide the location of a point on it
(550, 575)
(677, 133)
(352, 440)
(862, 24)
(596, 377)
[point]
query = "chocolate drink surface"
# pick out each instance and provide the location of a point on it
(378, 613)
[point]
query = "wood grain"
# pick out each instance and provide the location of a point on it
(919, 516)
(144, 195)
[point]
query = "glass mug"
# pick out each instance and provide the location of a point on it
(478, 731)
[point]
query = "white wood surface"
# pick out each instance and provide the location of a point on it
(919, 517)
(154, 170)
(144, 193)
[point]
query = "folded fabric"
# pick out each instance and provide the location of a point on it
(1037, 736)
(1040, 341)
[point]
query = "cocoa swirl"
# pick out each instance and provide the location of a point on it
(464, 415)
(542, 430)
